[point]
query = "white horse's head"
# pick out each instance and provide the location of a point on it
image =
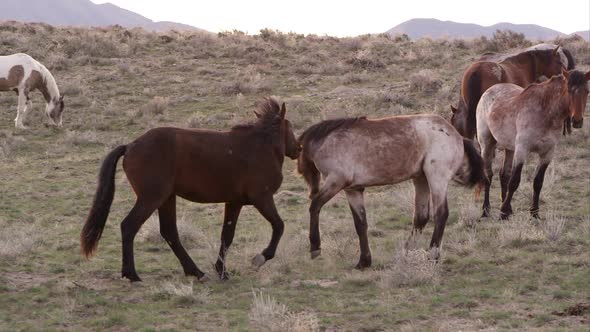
(54, 110)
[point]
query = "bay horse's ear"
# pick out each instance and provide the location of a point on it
(453, 109)
(556, 49)
(587, 75)
(257, 115)
(283, 111)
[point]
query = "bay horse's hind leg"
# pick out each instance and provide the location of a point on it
(129, 227)
(230, 219)
(268, 210)
(421, 207)
(359, 215)
(169, 231)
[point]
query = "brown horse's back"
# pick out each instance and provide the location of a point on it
(200, 165)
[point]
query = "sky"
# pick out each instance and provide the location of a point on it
(352, 18)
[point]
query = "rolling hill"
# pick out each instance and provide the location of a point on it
(80, 13)
(433, 28)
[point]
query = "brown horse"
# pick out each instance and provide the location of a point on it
(239, 167)
(520, 121)
(355, 153)
(521, 69)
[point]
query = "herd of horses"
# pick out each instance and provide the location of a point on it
(520, 103)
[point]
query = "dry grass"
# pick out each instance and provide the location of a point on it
(409, 268)
(18, 239)
(266, 314)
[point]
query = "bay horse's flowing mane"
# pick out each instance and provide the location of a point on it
(320, 130)
(268, 120)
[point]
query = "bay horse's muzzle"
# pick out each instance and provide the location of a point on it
(577, 123)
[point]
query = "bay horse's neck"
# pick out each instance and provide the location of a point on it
(525, 63)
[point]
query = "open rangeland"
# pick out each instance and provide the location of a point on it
(516, 274)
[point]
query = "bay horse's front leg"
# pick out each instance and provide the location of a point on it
(230, 219)
(268, 210)
(519, 159)
(544, 161)
(357, 207)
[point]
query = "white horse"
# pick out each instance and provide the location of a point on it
(23, 74)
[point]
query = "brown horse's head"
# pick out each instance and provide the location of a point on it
(271, 116)
(548, 62)
(459, 117)
(577, 91)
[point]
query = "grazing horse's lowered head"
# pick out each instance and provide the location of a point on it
(577, 93)
(54, 110)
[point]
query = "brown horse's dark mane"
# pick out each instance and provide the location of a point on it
(321, 130)
(268, 121)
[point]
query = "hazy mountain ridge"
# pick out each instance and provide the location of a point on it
(80, 13)
(433, 28)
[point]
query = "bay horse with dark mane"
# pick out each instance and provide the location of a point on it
(520, 121)
(354, 153)
(239, 167)
(522, 69)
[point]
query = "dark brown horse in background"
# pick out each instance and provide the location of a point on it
(355, 153)
(239, 167)
(520, 121)
(521, 69)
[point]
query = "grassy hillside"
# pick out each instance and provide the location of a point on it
(519, 274)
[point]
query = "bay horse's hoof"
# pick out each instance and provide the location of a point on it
(504, 216)
(132, 277)
(316, 253)
(203, 278)
(258, 260)
(363, 264)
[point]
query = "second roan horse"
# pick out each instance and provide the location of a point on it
(239, 167)
(520, 121)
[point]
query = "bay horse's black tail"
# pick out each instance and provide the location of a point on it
(101, 205)
(476, 173)
(474, 95)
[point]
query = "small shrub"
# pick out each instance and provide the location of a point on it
(267, 314)
(156, 106)
(410, 268)
(425, 81)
